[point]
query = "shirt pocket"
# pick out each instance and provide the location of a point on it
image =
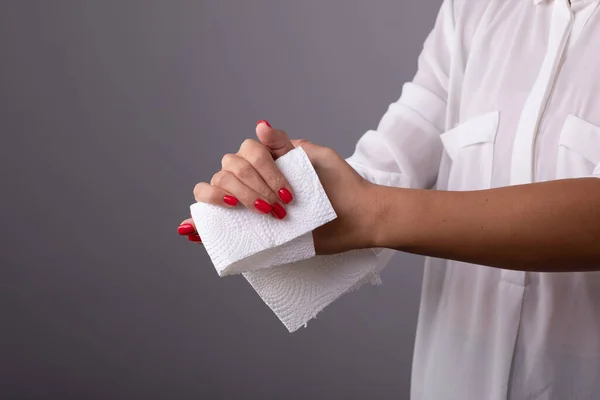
(578, 149)
(469, 153)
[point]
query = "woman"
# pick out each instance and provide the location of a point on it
(503, 120)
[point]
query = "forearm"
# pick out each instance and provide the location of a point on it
(545, 227)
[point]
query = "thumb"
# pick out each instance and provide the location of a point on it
(276, 140)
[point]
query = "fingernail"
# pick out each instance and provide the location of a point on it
(285, 195)
(186, 229)
(262, 121)
(230, 200)
(263, 206)
(279, 211)
(195, 238)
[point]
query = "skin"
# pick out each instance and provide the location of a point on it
(540, 227)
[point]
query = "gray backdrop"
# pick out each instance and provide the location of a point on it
(110, 112)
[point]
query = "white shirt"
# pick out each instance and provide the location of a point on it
(507, 92)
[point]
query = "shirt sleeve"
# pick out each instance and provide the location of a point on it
(405, 150)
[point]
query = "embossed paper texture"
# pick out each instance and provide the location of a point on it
(277, 257)
(241, 240)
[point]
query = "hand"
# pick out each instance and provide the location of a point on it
(351, 196)
(249, 177)
(354, 200)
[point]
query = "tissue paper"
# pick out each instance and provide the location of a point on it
(240, 240)
(277, 257)
(297, 292)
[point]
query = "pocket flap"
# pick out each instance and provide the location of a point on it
(583, 137)
(480, 129)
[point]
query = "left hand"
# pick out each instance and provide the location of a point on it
(353, 198)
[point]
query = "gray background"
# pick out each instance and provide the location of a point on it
(110, 112)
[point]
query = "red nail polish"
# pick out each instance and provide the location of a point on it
(263, 206)
(230, 200)
(195, 238)
(285, 195)
(262, 121)
(186, 229)
(279, 211)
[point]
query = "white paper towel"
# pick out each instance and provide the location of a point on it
(277, 257)
(240, 240)
(298, 292)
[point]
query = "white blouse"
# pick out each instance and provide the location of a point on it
(507, 92)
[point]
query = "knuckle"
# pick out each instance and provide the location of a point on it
(244, 171)
(228, 159)
(220, 178)
(275, 181)
(200, 191)
(260, 160)
(197, 190)
(214, 197)
(248, 144)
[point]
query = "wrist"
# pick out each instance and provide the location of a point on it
(383, 214)
(396, 215)
(378, 214)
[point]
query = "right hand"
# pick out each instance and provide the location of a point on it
(249, 177)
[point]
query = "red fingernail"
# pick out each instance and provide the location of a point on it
(186, 229)
(263, 206)
(262, 121)
(285, 195)
(230, 200)
(279, 211)
(195, 238)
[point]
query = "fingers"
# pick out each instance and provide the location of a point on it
(226, 182)
(245, 165)
(195, 238)
(276, 140)
(216, 195)
(254, 165)
(188, 228)
(249, 177)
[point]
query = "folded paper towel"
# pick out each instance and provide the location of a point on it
(297, 292)
(277, 257)
(241, 240)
